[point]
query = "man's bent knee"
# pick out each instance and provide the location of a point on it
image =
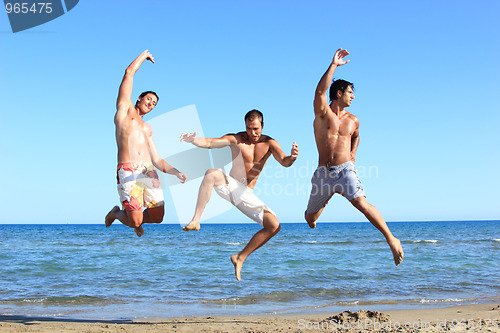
(214, 176)
(135, 218)
(311, 217)
(271, 223)
(273, 228)
(211, 172)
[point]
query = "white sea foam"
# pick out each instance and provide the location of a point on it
(423, 300)
(496, 240)
(35, 300)
(431, 241)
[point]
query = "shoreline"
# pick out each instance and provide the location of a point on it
(472, 318)
(145, 311)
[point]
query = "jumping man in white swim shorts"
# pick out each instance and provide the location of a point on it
(250, 150)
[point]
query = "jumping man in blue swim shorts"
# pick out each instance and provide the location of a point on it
(337, 138)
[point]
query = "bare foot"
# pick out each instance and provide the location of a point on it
(397, 251)
(237, 266)
(193, 225)
(139, 231)
(108, 220)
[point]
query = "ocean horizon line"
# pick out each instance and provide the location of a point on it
(251, 222)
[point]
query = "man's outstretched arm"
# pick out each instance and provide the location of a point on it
(280, 155)
(125, 91)
(320, 99)
(208, 143)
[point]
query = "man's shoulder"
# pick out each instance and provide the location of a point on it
(131, 120)
(266, 138)
(125, 112)
(353, 117)
(240, 136)
(231, 135)
(322, 112)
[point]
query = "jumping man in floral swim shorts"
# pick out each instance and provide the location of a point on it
(138, 183)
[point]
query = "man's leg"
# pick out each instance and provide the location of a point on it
(271, 228)
(213, 177)
(154, 215)
(312, 217)
(131, 218)
(321, 192)
(374, 216)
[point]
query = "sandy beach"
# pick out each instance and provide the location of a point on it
(470, 318)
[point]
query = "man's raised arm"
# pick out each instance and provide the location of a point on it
(208, 143)
(320, 99)
(125, 92)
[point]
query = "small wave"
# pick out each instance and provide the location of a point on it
(34, 300)
(234, 243)
(321, 242)
(430, 241)
(496, 240)
(283, 296)
(64, 300)
(448, 300)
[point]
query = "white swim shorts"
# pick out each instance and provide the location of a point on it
(243, 198)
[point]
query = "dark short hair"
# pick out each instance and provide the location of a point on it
(255, 114)
(339, 85)
(148, 92)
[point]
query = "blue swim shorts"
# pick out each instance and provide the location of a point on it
(326, 181)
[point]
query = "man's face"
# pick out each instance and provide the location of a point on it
(147, 103)
(347, 97)
(254, 129)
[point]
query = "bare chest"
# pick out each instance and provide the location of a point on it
(254, 153)
(343, 126)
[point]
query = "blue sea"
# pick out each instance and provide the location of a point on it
(90, 272)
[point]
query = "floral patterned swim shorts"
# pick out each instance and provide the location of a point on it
(139, 186)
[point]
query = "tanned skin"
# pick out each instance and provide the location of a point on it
(250, 150)
(134, 138)
(337, 137)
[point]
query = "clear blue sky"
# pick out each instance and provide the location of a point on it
(426, 75)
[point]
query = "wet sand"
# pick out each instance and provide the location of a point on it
(469, 318)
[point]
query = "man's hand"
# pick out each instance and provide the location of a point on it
(188, 137)
(182, 177)
(338, 58)
(148, 56)
(295, 150)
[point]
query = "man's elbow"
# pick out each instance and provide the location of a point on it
(129, 71)
(159, 165)
(320, 92)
